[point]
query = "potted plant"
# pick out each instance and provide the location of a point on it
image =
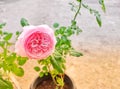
(50, 48)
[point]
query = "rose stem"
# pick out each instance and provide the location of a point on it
(78, 11)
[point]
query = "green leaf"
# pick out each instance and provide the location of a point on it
(11, 58)
(18, 71)
(2, 25)
(73, 22)
(60, 81)
(2, 43)
(64, 39)
(56, 32)
(24, 22)
(95, 12)
(79, 0)
(0, 32)
(4, 66)
(37, 68)
(18, 33)
(46, 73)
(22, 60)
(54, 73)
(62, 30)
(4, 84)
(55, 25)
(75, 53)
(8, 36)
(56, 65)
(78, 30)
(61, 61)
(41, 74)
(45, 68)
(98, 19)
(101, 2)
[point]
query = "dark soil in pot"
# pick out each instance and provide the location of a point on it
(47, 83)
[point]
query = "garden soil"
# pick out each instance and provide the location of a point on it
(99, 68)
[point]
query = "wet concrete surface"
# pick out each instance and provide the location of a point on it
(99, 68)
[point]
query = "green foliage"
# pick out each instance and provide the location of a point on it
(98, 19)
(96, 14)
(55, 25)
(63, 33)
(17, 70)
(76, 28)
(60, 81)
(5, 84)
(9, 61)
(44, 70)
(41, 74)
(17, 34)
(24, 22)
(2, 25)
(8, 36)
(37, 68)
(56, 65)
(101, 2)
(76, 8)
(21, 60)
(75, 53)
(2, 43)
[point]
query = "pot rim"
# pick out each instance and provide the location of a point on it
(32, 86)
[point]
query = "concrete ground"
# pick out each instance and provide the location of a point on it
(99, 68)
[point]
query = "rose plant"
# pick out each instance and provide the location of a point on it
(51, 48)
(41, 43)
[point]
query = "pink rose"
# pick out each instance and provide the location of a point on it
(36, 42)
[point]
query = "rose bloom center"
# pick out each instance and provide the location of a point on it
(38, 43)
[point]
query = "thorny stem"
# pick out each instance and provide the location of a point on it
(62, 77)
(78, 11)
(52, 76)
(54, 80)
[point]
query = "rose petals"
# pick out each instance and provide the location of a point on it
(36, 42)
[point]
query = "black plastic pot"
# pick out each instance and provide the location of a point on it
(39, 80)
